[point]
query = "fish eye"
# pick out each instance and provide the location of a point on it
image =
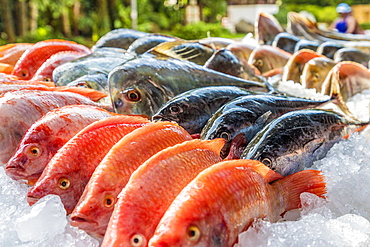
(267, 161)
(259, 62)
(193, 233)
(34, 151)
(64, 183)
(226, 136)
(132, 95)
(47, 79)
(24, 73)
(109, 201)
(174, 109)
(137, 240)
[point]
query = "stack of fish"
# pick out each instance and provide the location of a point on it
(151, 140)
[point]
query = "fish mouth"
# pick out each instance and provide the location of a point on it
(32, 200)
(89, 226)
(162, 118)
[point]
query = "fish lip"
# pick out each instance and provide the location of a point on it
(78, 219)
(161, 118)
(32, 200)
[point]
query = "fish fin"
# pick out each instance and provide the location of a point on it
(268, 174)
(237, 147)
(263, 119)
(337, 99)
(114, 120)
(92, 94)
(294, 185)
(59, 40)
(312, 145)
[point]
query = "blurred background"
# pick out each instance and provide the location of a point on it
(86, 21)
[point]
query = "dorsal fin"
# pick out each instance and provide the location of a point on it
(115, 120)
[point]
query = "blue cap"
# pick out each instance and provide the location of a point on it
(343, 8)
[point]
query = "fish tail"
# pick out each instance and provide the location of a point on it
(294, 185)
(361, 128)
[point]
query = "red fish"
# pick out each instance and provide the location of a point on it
(95, 207)
(266, 58)
(20, 109)
(70, 169)
(45, 71)
(34, 57)
(152, 188)
(46, 136)
(10, 53)
(223, 200)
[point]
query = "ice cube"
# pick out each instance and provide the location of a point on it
(46, 218)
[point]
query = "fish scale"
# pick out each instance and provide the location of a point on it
(233, 195)
(77, 159)
(145, 198)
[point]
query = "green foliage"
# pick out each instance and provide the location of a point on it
(322, 14)
(199, 30)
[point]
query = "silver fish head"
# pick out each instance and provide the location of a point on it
(134, 93)
(190, 114)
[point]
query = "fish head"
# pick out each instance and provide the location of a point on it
(191, 116)
(226, 125)
(95, 207)
(67, 185)
(192, 229)
(134, 93)
(28, 162)
(315, 72)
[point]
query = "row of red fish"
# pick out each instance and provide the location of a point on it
(149, 170)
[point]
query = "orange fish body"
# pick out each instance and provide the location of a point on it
(20, 109)
(95, 207)
(45, 71)
(10, 53)
(46, 136)
(223, 200)
(71, 167)
(34, 57)
(152, 188)
(6, 68)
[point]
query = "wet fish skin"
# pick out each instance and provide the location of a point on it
(36, 55)
(296, 139)
(92, 212)
(315, 72)
(45, 71)
(306, 44)
(352, 54)
(145, 198)
(103, 59)
(145, 43)
(10, 53)
(248, 115)
(20, 109)
(71, 167)
(223, 60)
(46, 136)
(143, 85)
(329, 48)
(193, 108)
(207, 214)
(241, 50)
(286, 42)
(119, 38)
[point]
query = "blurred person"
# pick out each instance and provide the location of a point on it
(346, 23)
